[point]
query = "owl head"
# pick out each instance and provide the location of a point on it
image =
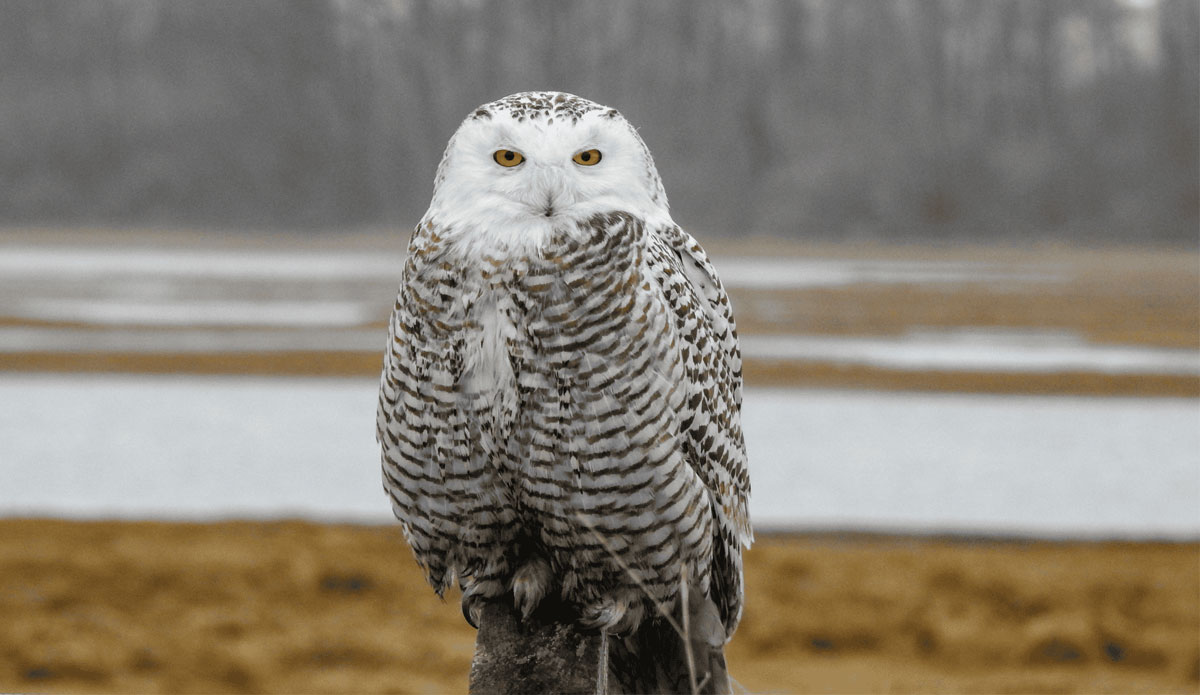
(533, 164)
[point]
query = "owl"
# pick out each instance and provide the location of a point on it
(559, 409)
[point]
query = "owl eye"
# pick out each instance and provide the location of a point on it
(587, 158)
(508, 158)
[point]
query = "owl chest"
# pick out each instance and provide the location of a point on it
(490, 340)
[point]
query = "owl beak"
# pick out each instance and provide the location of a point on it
(552, 189)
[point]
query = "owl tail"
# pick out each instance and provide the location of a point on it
(658, 659)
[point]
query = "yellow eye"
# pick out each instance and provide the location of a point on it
(508, 158)
(587, 158)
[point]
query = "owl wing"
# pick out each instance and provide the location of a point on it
(711, 417)
(432, 471)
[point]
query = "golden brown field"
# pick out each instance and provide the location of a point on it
(303, 607)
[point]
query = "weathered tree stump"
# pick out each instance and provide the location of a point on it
(551, 653)
(548, 653)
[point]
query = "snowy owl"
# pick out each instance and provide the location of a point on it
(559, 410)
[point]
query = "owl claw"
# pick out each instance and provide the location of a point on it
(616, 615)
(472, 609)
(474, 593)
(529, 585)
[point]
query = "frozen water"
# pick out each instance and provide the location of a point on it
(75, 261)
(1014, 464)
(799, 273)
(214, 447)
(316, 265)
(961, 350)
(977, 350)
(189, 312)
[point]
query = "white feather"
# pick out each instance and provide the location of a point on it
(504, 210)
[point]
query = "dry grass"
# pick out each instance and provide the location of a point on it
(302, 607)
(298, 363)
(841, 376)
(1160, 316)
(852, 614)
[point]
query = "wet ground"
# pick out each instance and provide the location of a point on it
(998, 320)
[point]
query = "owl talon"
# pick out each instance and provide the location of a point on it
(472, 609)
(529, 585)
(617, 615)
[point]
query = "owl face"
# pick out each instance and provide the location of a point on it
(532, 164)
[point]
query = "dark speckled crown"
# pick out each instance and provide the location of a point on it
(548, 105)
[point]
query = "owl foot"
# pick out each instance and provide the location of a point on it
(617, 614)
(530, 583)
(474, 595)
(472, 609)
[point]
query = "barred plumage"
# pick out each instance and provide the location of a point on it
(562, 381)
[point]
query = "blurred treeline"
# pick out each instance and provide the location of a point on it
(1003, 120)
